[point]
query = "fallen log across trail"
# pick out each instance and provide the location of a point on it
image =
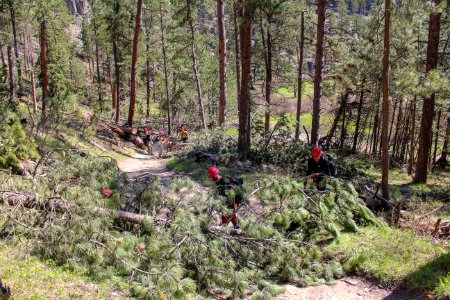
(57, 204)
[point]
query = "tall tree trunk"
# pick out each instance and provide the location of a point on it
(44, 73)
(117, 80)
(147, 77)
(116, 63)
(25, 54)
(237, 51)
(397, 139)
(343, 127)
(4, 64)
(363, 133)
(97, 61)
(385, 106)
(12, 86)
(358, 118)
(166, 79)
(111, 84)
(428, 103)
(16, 44)
(376, 124)
(404, 133)
(154, 82)
(412, 132)
(31, 71)
(318, 71)
(392, 119)
(267, 46)
(436, 135)
(299, 76)
(245, 31)
(330, 134)
(222, 62)
(201, 111)
(114, 95)
(134, 59)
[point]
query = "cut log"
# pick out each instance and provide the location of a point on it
(137, 141)
(118, 131)
(59, 205)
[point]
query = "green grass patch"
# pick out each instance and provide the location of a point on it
(437, 180)
(232, 131)
(392, 256)
(305, 119)
(29, 278)
(288, 91)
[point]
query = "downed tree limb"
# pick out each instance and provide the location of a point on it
(376, 196)
(433, 211)
(436, 227)
(59, 205)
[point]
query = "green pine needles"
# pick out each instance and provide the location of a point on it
(188, 254)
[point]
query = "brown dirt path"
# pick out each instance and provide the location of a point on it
(142, 164)
(349, 288)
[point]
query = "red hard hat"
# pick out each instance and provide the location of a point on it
(145, 129)
(212, 172)
(150, 132)
(161, 132)
(316, 152)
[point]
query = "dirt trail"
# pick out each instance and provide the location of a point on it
(142, 164)
(349, 288)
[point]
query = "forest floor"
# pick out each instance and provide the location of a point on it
(348, 288)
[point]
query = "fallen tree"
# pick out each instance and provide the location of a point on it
(59, 205)
(128, 134)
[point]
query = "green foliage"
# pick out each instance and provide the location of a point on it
(16, 143)
(393, 256)
(185, 257)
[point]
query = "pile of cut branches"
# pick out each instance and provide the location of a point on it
(187, 254)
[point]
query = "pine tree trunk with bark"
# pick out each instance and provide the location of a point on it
(344, 99)
(385, 105)
(428, 103)
(245, 31)
(116, 64)
(97, 62)
(147, 77)
(436, 135)
(237, 50)
(397, 138)
(12, 85)
(44, 73)
(321, 4)
(299, 76)
(117, 81)
(267, 46)
(134, 59)
(222, 62)
(166, 79)
(201, 110)
(16, 44)
(412, 133)
(358, 119)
